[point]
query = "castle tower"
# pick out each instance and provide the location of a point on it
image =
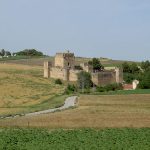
(65, 60)
(47, 66)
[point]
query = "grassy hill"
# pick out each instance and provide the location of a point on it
(23, 89)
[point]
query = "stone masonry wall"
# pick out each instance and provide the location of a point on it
(103, 78)
(65, 60)
(73, 75)
(63, 74)
(57, 73)
(59, 60)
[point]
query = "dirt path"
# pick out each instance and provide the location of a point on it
(69, 102)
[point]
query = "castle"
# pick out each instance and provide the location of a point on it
(64, 68)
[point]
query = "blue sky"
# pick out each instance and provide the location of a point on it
(117, 29)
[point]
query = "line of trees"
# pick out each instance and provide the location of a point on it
(26, 52)
(139, 72)
(29, 52)
(4, 53)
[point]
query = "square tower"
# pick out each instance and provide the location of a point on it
(65, 60)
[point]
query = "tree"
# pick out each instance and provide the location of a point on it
(145, 81)
(130, 68)
(126, 67)
(84, 80)
(145, 65)
(134, 68)
(7, 53)
(29, 52)
(2, 53)
(128, 77)
(97, 66)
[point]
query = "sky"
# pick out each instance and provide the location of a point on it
(116, 29)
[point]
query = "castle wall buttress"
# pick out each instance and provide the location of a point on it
(47, 66)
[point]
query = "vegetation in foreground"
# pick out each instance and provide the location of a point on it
(87, 139)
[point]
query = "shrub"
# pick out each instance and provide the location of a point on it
(71, 88)
(100, 89)
(110, 87)
(145, 81)
(58, 81)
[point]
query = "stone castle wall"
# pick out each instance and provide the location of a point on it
(86, 67)
(59, 60)
(103, 78)
(64, 74)
(73, 75)
(57, 73)
(64, 69)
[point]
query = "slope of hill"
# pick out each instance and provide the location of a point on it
(38, 61)
(23, 89)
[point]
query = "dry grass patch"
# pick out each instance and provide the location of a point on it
(23, 87)
(94, 111)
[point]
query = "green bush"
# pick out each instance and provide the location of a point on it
(100, 89)
(58, 81)
(71, 88)
(110, 87)
(145, 81)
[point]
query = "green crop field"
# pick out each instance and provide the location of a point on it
(83, 139)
